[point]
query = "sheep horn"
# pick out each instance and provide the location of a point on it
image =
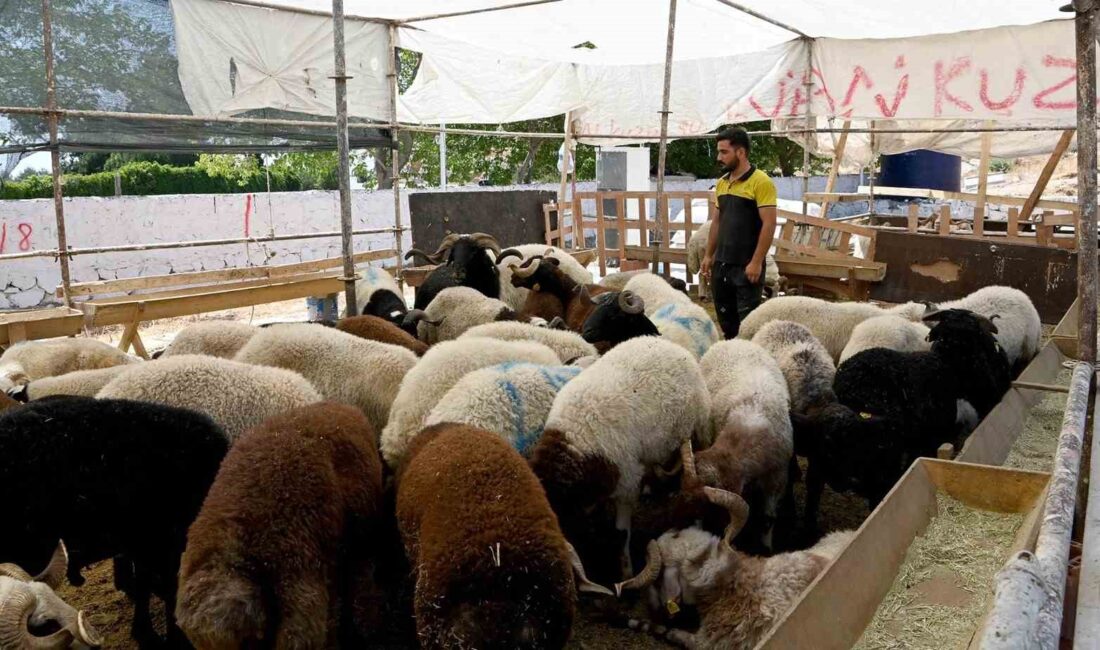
(416, 251)
(445, 245)
(738, 509)
(558, 323)
(665, 474)
(582, 291)
(653, 565)
(583, 583)
(54, 572)
(630, 302)
(527, 269)
(687, 458)
(9, 570)
(15, 610)
(85, 632)
(508, 252)
(485, 240)
(416, 315)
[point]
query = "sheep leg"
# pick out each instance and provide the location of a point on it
(141, 628)
(815, 486)
(622, 522)
(304, 609)
(683, 638)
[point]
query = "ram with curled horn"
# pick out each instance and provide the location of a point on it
(616, 317)
(463, 260)
(30, 603)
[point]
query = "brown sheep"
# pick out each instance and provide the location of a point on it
(285, 534)
(550, 286)
(7, 402)
(493, 569)
(379, 329)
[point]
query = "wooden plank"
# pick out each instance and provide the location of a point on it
(1054, 388)
(815, 237)
(548, 232)
(1044, 232)
(836, 197)
(945, 220)
(983, 169)
(1048, 171)
(601, 248)
(826, 269)
(224, 275)
(131, 327)
(832, 613)
(825, 223)
(663, 209)
(215, 300)
(943, 195)
(844, 242)
(620, 210)
(98, 303)
(643, 225)
(937, 268)
(667, 255)
(838, 156)
(782, 244)
(17, 332)
(979, 222)
(139, 346)
(1013, 223)
(911, 220)
(578, 223)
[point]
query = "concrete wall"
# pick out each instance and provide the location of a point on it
(29, 225)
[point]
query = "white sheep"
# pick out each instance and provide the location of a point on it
(887, 331)
(81, 382)
(213, 338)
(630, 411)
(440, 369)
(511, 399)
(30, 360)
(237, 396)
(1019, 328)
(830, 322)
(803, 360)
(750, 414)
(656, 292)
(568, 345)
(739, 597)
(516, 297)
(341, 366)
(687, 325)
(455, 310)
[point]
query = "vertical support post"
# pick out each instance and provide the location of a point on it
(443, 156)
(983, 170)
(808, 87)
(55, 153)
(834, 171)
(566, 158)
(395, 155)
(342, 147)
(662, 204)
(1086, 179)
(871, 180)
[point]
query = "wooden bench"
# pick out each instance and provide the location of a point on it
(813, 251)
(32, 324)
(185, 294)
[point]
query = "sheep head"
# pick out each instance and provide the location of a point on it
(29, 603)
(617, 317)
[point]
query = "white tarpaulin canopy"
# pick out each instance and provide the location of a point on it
(922, 65)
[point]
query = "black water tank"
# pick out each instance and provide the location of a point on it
(922, 168)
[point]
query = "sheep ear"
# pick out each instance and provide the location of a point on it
(933, 316)
(929, 307)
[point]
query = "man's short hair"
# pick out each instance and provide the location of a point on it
(736, 136)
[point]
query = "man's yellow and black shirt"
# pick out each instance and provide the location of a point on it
(739, 201)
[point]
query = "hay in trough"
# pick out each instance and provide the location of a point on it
(1038, 440)
(945, 585)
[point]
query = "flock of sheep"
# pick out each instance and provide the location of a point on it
(445, 475)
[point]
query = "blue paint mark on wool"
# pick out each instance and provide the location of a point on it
(700, 330)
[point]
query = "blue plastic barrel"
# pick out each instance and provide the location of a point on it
(922, 168)
(321, 308)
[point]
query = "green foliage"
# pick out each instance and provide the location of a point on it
(998, 165)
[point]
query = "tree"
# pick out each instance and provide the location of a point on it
(777, 156)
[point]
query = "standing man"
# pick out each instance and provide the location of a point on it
(741, 232)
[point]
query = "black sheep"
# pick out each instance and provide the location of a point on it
(619, 316)
(466, 265)
(113, 479)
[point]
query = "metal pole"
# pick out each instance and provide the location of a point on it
(472, 12)
(808, 86)
(443, 156)
(1085, 23)
(662, 215)
(55, 153)
(871, 174)
(760, 16)
(395, 154)
(341, 79)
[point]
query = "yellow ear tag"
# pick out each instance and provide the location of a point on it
(865, 415)
(672, 607)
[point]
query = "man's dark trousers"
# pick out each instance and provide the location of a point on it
(734, 295)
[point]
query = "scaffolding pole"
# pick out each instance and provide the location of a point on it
(341, 81)
(662, 215)
(395, 153)
(1086, 178)
(55, 153)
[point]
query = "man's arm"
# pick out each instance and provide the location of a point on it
(712, 243)
(754, 271)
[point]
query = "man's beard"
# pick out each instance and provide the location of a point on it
(732, 167)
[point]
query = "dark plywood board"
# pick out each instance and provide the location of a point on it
(936, 268)
(512, 216)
